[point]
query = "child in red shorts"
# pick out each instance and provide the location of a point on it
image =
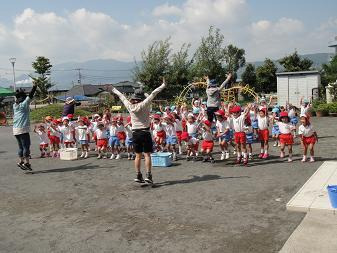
(54, 135)
(238, 124)
(286, 137)
(44, 140)
(308, 137)
(263, 124)
(101, 136)
(207, 143)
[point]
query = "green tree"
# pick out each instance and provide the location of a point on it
(329, 72)
(42, 68)
(154, 65)
(214, 59)
(293, 62)
(266, 77)
(249, 75)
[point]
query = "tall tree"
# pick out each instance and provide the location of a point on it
(329, 72)
(266, 77)
(42, 68)
(214, 59)
(249, 76)
(154, 65)
(293, 62)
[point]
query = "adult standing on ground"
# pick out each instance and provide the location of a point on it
(69, 106)
(139, 108)
(21, 125)
(214, 96)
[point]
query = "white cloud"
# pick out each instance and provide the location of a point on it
(166, 10)
(83, 34)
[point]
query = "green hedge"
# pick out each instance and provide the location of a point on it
(55, 111)
(326, 108)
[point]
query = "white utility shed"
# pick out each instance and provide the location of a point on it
(291, 86)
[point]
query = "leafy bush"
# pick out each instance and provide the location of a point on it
(332, 107)
(324, 108)
(55, 111)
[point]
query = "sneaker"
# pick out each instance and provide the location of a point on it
(82, 155)
(188, 158)
(222, 156)
(20, 165)
(250, 157)
(275, 144)
(234, 152)
(290, 160)
(304, 159)
(133, 157)
(211, 159)
(265, 156)
(175, 157)
(118, 157)
(282, 155)
(112, 156)
(312, 159)
(227, 155)
(86, 155)
(148, 178)
(99, 157)
(139, 178)
(279, 145)
(261, 155)
(238, 160)
(205, 159)
(105, 157)
(245, 161)
(27, 166)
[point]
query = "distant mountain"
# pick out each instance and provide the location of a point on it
(102, 71)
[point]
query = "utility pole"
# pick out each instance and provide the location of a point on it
(12, 61)
(79, 81)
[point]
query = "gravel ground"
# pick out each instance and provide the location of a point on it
(93, 205)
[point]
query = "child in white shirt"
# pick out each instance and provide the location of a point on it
(82, 131)
(308, 136)
(44, 140)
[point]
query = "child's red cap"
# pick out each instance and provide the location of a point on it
(156, 116)
(283, 114)
(264, 110)
(70, 116)
(236, 109)
(220, 113)
(207, 123)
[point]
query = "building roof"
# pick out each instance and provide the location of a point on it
(310, 72)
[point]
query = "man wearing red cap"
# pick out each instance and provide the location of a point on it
(139, 108)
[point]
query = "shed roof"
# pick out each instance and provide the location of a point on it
(310, 72)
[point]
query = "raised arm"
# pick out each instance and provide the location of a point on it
(32, 92)
(154, 93)
(224, 84)
(121, 96)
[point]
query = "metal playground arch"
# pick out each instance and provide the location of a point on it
(226, 94)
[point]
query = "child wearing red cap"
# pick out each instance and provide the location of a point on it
(101, 138)
(238, 123)
(158, 132)
(68, 133)
(192, 137)
(179, 130)
(114, 142)
(308, 137)
(121, 132)
(263, 125)
(82, 131)
(44, 140)
(286, 137)
(207, 143)
(54, 137)
(129, 139)
(223, 133)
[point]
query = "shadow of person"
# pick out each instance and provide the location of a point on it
(68, 169)
(194, 179)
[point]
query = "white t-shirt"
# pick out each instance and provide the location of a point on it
(82, 132)
(239, 123)
(43, 136)
(113, 130)
(252, 115)
(291, 113)
(306, 131)
(222, 126)
(170, 130)
(192, 128)
(54, 132)
(120, 128)
(263, 122)
(304, 110)
(179, 125)
(207, 136)
(101, 134)
(128, 132)
(285, 128)
(68, 133)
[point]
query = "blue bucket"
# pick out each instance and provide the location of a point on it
(161, 159)
(332, 190)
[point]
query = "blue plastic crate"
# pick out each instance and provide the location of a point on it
(161, 159)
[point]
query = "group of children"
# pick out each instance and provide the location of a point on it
(180, 130)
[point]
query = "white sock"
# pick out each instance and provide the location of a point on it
(239, 155)
(262, 151)
(250, 154)
(266, 152)
(245, 155)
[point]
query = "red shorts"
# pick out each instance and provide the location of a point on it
(69, 142)
(54, 140)
(240, 137)
(264, 135)
(207, 145)
(42, 146)
(185, 136)
(102, 143)
(121, 136)
(183, 123)
(179, 135)
(161, 134)
(286, 139)
(309, 140)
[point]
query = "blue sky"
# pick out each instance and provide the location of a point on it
(78, 30)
